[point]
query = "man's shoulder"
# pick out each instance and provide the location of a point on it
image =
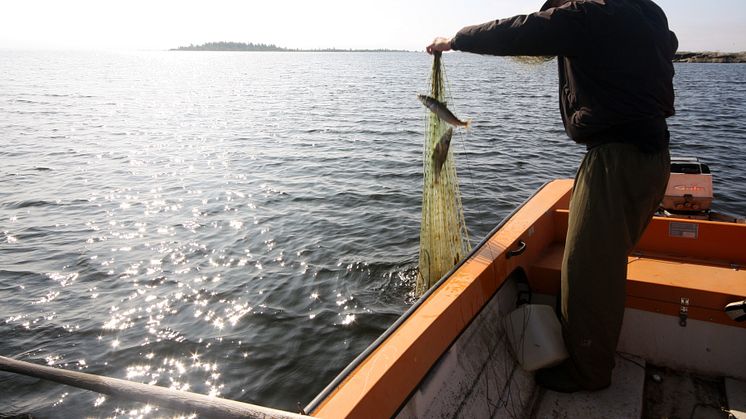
(571, 3)
(618, 9)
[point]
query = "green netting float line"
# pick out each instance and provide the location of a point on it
(444, 239)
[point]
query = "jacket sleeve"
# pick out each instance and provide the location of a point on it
(674, 43)
(556, 31)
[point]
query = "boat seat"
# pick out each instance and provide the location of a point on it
(678, 287)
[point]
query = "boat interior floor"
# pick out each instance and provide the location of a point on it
(641, 390)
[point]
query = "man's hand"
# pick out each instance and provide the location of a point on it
(439, 45)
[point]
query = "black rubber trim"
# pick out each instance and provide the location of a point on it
(373, 346)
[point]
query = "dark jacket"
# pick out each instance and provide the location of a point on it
(615, 69)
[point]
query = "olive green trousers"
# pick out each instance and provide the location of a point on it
(617, 189)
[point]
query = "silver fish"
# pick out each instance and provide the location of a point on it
(439, 108)
(440, 152)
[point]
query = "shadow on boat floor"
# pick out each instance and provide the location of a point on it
(671, 393)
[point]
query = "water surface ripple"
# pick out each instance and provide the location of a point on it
(244, 224)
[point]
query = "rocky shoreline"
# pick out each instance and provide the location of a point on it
(243, 46)
(709, 57)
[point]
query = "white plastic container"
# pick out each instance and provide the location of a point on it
(535, 334)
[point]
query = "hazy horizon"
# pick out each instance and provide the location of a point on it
(387, 24)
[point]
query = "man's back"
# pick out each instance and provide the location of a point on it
(622, 75)
(614, 62)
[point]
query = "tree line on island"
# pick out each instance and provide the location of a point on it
(680, 57)
(709, 57)
(250, 46)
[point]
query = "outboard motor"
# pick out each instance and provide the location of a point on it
(689, 190)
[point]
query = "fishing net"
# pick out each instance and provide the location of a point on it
(532, 59)
(443, 236)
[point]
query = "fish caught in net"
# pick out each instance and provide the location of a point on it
(444, 239)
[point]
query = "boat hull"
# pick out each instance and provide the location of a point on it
(448, 356)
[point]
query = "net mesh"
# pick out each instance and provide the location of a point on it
(444, 238)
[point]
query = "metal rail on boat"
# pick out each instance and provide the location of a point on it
(205, 406)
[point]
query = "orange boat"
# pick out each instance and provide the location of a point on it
(448, 355)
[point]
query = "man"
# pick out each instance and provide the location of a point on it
(615, 91)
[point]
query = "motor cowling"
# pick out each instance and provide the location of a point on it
(689, 187)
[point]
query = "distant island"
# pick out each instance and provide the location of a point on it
(709, 57)
(679, 57)
(243, 46)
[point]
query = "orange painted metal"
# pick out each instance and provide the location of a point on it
(383, 381)
(658, 284)
(698, 260)
(672, 309)
(544, 274)
(715, 242)
(706, 287)
(665, 268)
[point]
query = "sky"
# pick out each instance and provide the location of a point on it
(716, 25)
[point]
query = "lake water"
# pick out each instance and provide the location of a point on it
(244, 224)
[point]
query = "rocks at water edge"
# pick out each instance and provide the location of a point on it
(709, 57)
